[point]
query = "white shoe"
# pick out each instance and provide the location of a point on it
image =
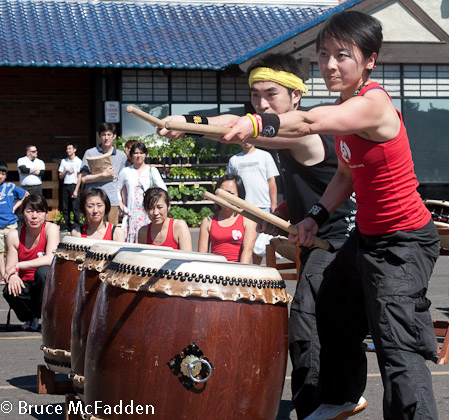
(34, 324)
(337, 412)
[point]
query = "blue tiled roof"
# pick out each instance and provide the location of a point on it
(144, 35)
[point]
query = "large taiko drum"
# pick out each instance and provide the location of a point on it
(58, 299)
(96, 262)
(439, 209)
(186, 340)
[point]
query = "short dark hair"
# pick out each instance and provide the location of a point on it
(71, 143)
(36, 202)
(153, 195)
(241, 193)
(140, 146)
(107, 127)
(130, 143)
(354, 28)
(3, 166)
(278, 62)
(95, 192)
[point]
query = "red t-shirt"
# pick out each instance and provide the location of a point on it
(384, 181)
(26, 254)
(169, 240)
(107, 235)
(227, 241)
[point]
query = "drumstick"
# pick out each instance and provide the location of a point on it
(270, 218)
(197, 128)
(223, 203)
(156, 122)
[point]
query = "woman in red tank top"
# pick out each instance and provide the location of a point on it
(163, 231)
(228, 233)
(95, 206)
(29, 255)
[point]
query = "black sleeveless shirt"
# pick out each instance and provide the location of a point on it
(304, 186)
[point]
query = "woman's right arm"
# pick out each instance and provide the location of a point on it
(122, 192)
(204, 239)
(15, 283)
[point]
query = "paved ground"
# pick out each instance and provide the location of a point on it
(20, 354)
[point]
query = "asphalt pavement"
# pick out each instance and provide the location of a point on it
(20, 354)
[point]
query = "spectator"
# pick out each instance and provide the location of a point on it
(227, 233)
(258, 172)
(28, 257)
(31, 170)
(107, 179)
(70, 171)
(133, 181)
(128, 145)
(163, 231)
(95, 206)
(8, 206)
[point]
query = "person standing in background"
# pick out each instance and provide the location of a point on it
(31, 170)
(106, 180)
(70, 171)
(258, 172)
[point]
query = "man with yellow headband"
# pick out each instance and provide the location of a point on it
(307, 165)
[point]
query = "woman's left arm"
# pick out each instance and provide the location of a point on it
(249, 239)
(158, 182)
(182, 235)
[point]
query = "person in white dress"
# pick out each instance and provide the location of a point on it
(133, 181)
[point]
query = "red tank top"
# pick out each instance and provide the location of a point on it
(227, 241)
(107, 235)
(26, 254)
(169, 240)
(384, 181)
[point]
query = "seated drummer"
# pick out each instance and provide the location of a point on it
(228, 233)
(29, 253)
(163, 230)
(95, 206)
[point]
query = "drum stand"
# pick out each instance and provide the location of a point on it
(47, 384)
(271, 262)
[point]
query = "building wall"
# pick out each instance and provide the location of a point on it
(46, 107)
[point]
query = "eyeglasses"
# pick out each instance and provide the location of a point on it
(33, 151)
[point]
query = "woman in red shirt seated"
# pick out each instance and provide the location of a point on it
(95, 206)
(28, 257)
(228, 233)
(163, 231)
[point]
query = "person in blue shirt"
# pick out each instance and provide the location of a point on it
(11, 197)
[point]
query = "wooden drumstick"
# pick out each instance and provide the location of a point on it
(223, 203)
(197, 128)
(270, 218)
(156, 122)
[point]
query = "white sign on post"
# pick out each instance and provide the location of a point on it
(112, 111)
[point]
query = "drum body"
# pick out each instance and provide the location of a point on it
(57, 301)
(96, 262)
(187, 340)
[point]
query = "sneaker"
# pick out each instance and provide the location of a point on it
(25, 326)
(337, 412)
(34, 326)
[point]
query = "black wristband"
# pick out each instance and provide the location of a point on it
(196, 119)
(270, 125)
(318, 213)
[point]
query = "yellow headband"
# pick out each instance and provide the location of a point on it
(289, 80)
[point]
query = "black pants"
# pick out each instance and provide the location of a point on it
(70, 204)
(28, 304)
(304, 344)
(378, 284)
(34, 189)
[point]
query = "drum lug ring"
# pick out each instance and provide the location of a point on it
(191, 366)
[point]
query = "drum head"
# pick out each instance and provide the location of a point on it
(205, 279)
